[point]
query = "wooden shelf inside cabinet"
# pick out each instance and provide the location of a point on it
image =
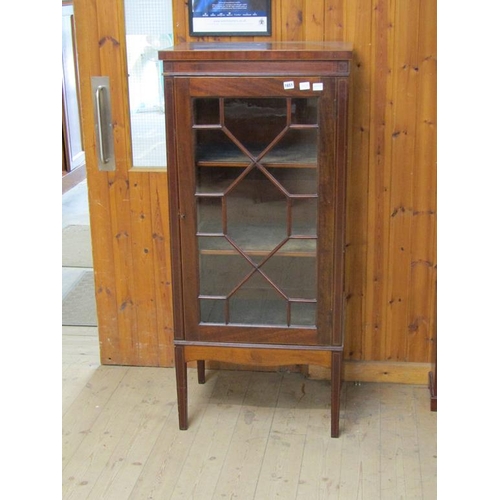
(257, 173)
(256, 253)
(294, 156)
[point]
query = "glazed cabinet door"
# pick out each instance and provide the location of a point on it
(255, 172)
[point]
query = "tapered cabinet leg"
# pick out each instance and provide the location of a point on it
(336, 387)
(181, 379)
(201, 371)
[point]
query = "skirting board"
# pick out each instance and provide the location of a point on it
(378, 371)
(352, 371)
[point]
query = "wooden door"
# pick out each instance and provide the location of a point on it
(128, 205)
(257, 229)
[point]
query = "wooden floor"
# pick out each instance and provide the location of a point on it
(252, 435)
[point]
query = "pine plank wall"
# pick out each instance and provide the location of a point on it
(391, 238)
(391, 235)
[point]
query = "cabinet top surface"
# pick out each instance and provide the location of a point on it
(274, 51)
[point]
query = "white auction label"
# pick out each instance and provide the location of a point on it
(288, 85)
(304, 85)
(318, 86)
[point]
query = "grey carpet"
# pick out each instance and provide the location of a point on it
(76, 247)
(78, 307)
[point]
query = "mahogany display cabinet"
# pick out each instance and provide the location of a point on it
(257, 150)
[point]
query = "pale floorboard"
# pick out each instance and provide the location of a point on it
(252, 435)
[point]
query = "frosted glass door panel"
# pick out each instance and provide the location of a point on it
(148, 25)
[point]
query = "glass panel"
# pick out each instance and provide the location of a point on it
(255, 122)
(256, 213)
(257, 303)
(210, 215)
(305, 111)
(297, 147)
(148, 27)
(212, 180)
(212, 311)
(303, 314)
(304, 216)
(257, 206)
(293, 269)
(297, 180)
(206, 111)
(222, 268)
(214, 148)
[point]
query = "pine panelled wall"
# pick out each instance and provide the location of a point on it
(391, 228)
(391, 235)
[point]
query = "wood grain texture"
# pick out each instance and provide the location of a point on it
(249, 432)
(258, 357)
(422, 314)
(391, 215)
(128, 210)
(391, 228)
(358, 26)
(377, 371)
(403, 108)
(391, 200)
